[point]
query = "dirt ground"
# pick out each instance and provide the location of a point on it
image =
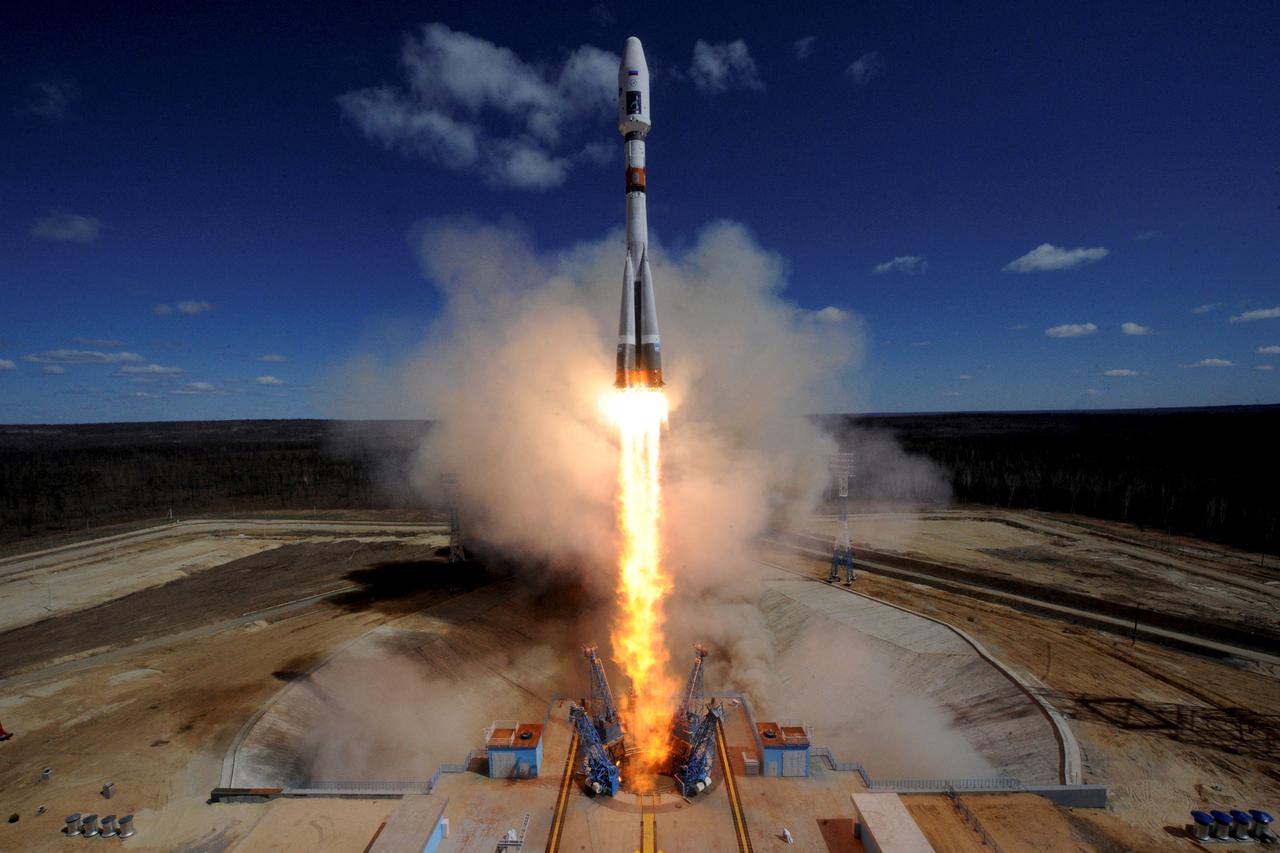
(1168, 731)
(148, 684)
(1125, 567)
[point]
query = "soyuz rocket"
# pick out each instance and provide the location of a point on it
(639, 351)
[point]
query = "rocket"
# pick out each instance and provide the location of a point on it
(639, 350)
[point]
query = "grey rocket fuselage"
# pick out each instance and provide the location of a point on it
(639, 349)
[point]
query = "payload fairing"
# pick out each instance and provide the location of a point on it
(639, 350)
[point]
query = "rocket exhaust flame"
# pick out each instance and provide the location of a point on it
(638, 638)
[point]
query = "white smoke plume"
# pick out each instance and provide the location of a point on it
(515, 368)
(514, 371)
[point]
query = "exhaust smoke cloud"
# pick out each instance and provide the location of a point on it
(513, 370)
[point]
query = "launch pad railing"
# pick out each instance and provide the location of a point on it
(355, 787)
(939, 786)
(942, 786)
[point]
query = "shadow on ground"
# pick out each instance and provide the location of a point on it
(399, 587)
(1228, 729)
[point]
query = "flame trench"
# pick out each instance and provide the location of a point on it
(639, 645)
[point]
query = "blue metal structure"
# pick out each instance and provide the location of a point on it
(842, 557)
(602, 776)
(694, 775)
(692, 697)
(604, 714)
(842, 466)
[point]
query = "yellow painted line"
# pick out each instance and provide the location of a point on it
(735, 804)
(557, 821)
(648, 844)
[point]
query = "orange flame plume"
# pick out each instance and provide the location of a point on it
(639, 644)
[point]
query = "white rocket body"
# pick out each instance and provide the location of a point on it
(639, 349)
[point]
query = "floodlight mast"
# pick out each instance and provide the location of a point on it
(843, 467)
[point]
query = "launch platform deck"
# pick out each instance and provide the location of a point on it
(482, 809)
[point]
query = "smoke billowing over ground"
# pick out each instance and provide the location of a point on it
(518, 363)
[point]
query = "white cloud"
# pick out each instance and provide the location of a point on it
(1263, 367)
(951, 394)
(865, 68)
(269, 380)
(921, 343)
(804, 47)
(1205, 309)
(1071, 330)
(197, 388)
(273, 357)
(964, 376)
(146, 395)
(1212, 362)
(54, 370)
(189, 307)
(79, 356)
(830, 314)
(1271, 350)
(51, 99)
(104, 343)
(7, 364)
(1121, 371)
(525, 165)
(1258, 314)
(1135, 329)
(908, 264)
(599, 152)
(1048, 258)
(1147, 236)
(720, 67)
(67, 228)
(457, 88)
(149, 370)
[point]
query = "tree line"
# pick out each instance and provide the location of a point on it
(1209, 473)
(59, 477)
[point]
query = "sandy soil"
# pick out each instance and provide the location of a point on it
(1147, 569)
(80, 575)
(156, 705)
(1168, 731)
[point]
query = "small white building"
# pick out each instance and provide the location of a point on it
(886, 826)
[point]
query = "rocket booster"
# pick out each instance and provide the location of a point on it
(639, 350)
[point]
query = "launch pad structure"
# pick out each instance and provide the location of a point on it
(843, 467)
(563, 782)
(726, 765)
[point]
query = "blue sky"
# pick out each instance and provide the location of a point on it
(198, 189)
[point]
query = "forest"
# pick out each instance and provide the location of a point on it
(1210, 473)
(71, 476)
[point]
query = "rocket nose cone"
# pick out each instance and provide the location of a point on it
(633, 54)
